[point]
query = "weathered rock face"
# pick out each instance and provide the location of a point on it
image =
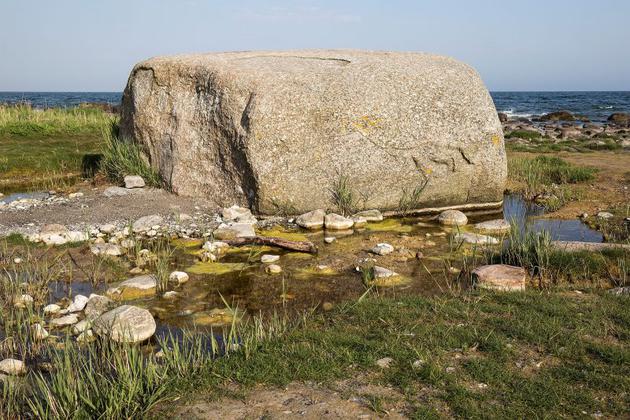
(265, 129)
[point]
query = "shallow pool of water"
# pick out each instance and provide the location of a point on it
(525, 214)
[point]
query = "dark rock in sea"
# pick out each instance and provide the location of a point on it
(503, 117)
(620, 119)
(558, 116)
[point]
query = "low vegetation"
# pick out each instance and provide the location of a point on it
(548, 179)
(48, 149)
(122, 157)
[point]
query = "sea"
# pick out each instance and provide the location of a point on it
(597, 106)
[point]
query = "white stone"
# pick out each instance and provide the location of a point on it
(312, 220)
(329, 239)
(178, 277)
(13, 367)
(134, 181)
(370, 215)
(334, 221)
(498, 226)
(605, 215)
(22, 301)
(273, 269)
(474, 238)
(145, 223)
(77, 236)
(452, 218)
(81, 326)
(235, 230)
(385, 362)
(64, 321)
(52, 308)
(78, 304)
(216, 247)
(383, 273)
(126, 323)
(108, 249)
(268, 258)
(235, 212)
(382, 249)
(359, 221)
(39, 332)
(171, 294)
(107, 228)
(145, 282)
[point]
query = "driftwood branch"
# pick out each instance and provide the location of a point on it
(299, 246)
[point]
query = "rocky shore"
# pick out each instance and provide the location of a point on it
(573, 131)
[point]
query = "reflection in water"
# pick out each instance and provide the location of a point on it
(523, 212)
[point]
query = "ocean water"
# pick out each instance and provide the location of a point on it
(597, 106)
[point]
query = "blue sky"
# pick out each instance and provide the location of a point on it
(90, 45)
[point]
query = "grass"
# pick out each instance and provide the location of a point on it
(123, 157)
(550, 176)
(48, 149)
(536, 354)
(343, 197)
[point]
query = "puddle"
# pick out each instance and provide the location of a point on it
(306, 281)
(524, 213)
(24, 196)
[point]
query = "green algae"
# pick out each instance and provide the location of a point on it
(389, 225)
(216, 268)
(187, 243)
(284, 233)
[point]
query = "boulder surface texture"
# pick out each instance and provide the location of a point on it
(279, 129)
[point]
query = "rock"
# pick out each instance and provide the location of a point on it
(75, 195)
(22, 301)
(235, 212)
(498, 226)
(605, 215)
(111, 250)
(385, 362)
(178, 277)
(268, 259)
(13, 367)
(273, 269)
(98, 305)
(558, 116)
(78, 304)
(134, 181)
(51, 309)
(64, 321)
(171, 294)
(452, 218)
(382, 249)
(474, 238)
(383, 273)
(146, 223)
(115, 192)
(390, 120)
(312, 220)
(235, 230)
(502, 117)
(128, 324)
(573, 246)
(39, 332)
(81, 326)
(107, 228)
(334, 221)
(329, 239)
(135, 287)
(373, 215)
(620, 119)
(358, 221)
(327, 306)
(500, 277)
(216, 247)
(86, 335)
(620, 291)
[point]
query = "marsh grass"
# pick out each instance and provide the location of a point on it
(24, 121)
(410, 200)
(122, 157)
(343, 196)
(542, 171)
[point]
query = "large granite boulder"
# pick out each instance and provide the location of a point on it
(279, 129)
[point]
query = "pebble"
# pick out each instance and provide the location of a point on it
(452, 218)
(605, 215)
(178, 277)
(382, 249)
(273, 269)
(385, 362)
(78, 304)
(312, 220)
(335, 221)
(268, 258)
(39, 332)
(52, 308)
(329, 239)
(23, 301)
(64, 321)
(12, 367)
(134, 181)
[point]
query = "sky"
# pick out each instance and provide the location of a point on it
(526, 45)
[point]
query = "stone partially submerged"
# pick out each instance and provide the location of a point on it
(276, 130)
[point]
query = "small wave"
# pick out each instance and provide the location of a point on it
(604, 106)
(513, 114)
